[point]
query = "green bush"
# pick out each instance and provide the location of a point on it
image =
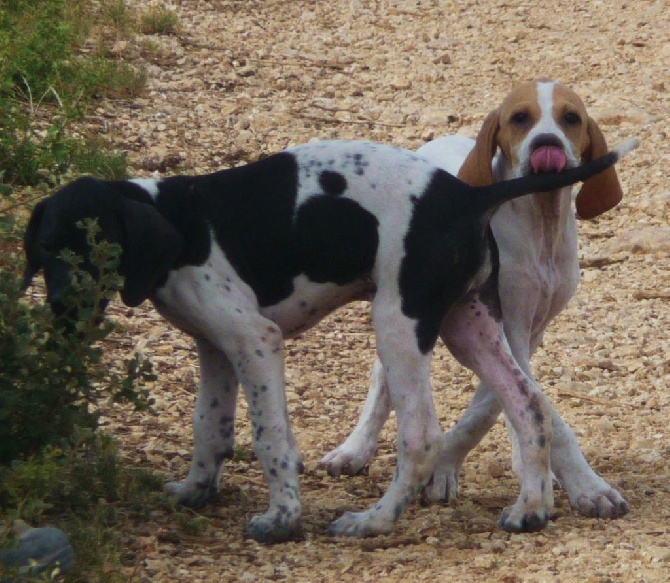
(89, 494)
(55, 467)
(159, 21)
(51, 380)
(38, 37)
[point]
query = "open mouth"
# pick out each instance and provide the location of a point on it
(548, 159)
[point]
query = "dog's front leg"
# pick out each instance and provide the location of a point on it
(213, 428)
(419, 439)
(258, 356)
(350, 457)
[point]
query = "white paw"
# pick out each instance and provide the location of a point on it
(443, 485)
(275, 527)
(345, 460)
(359, 524)
(604, 503)
(592, 496)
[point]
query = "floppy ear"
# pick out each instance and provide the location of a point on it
(601, 192)
(31, 245)
(150, 248)
(477, 169)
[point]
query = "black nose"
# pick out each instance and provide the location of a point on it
(544, 140)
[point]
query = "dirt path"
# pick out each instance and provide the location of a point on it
(250, 77)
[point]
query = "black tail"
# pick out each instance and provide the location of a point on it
(489, 197)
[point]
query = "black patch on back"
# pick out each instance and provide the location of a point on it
(444, 249)
(336, 240)
(333, 183)
(251, 211)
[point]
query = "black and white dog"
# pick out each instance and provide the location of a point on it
(243, 258)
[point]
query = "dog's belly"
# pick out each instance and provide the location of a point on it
(311, 302)
(199, 300)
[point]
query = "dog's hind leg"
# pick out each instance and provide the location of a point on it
(419, 438)
(213, 427)
(475, 423)
(524, 404)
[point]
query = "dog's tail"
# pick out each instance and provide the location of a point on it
(488, 197)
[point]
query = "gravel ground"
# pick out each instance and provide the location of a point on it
(249, 77)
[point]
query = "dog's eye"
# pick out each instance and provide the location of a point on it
(572, 119)
(520, 118)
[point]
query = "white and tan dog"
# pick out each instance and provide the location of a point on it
(541, 126)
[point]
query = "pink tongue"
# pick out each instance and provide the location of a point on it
(548, 159)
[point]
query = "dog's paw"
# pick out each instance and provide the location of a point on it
(511, 520)
(360, 525)
(443, 484)
(273, 528)
(592, 496)
(603, 504)
(191, 495)
(346, 460)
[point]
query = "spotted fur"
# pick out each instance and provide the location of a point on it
(243, 258)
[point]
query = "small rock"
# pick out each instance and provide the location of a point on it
(400, 83)
(246, 71)
(642, 241)
(38, 550)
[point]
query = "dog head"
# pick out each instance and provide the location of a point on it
(150, 244)
(542, 126)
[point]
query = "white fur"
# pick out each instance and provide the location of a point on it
(537, 239)
(148, 184)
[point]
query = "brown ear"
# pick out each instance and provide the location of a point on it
(477, 169)
(603, 191)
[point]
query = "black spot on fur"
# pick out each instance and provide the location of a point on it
(523, 386)
(333, 183)
(534, 406)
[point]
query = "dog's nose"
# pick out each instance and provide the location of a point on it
(545, 140)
